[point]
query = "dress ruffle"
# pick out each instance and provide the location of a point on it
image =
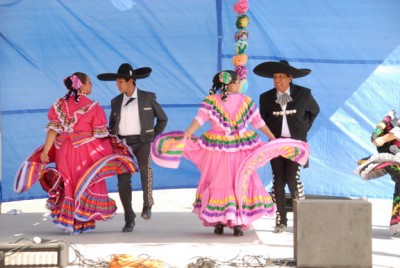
(395, 219)
(219, 142)
(221, 206)
(294, 150)
(167, 149)
(216, 199)
(90, 201)
(378, 165)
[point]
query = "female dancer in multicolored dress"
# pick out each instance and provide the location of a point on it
(386, 136)
(84, 154)
(230, 192)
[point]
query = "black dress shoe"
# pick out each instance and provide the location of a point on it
(237, 231)
(280, 228)
(219, 229)
(146, 213)
(128, 227)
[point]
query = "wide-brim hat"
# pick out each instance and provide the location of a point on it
(269, 68)
(126, 71)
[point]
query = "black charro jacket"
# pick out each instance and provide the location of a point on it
(300, 122)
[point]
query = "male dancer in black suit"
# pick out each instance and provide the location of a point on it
(132, 118)
(289, 110)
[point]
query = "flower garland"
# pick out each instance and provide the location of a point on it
(240, 58)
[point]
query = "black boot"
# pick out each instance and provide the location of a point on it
(237, 230)
(219, 229)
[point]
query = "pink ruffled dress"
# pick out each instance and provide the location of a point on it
(228, 156)
(218, 153)
(84, 155)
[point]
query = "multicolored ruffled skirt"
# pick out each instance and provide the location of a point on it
(378, 165)
(229, 190)
(76, 208)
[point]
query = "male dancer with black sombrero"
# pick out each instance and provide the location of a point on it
(137, 117)
(289, 110)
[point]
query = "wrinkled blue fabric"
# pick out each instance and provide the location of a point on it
(352, 48)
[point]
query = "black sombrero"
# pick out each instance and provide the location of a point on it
(126, 71)
(269, 68)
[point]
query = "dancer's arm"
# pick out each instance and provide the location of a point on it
(50, 138)
(384, 139)
(265, 129)
(191, 129)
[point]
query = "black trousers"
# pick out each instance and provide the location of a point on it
(285, 172)
(141, 150)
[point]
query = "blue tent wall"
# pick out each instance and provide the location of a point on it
(351, 47)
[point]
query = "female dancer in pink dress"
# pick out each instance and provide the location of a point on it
(230, 192)
(84, 154)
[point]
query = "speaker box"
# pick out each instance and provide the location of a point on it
(33, 255)
(332, 233)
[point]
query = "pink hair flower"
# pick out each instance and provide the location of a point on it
(76, 82)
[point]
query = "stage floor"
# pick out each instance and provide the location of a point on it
(176, 237)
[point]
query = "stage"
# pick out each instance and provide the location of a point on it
(176, 237)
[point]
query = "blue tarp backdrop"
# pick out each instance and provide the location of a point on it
(352, 48)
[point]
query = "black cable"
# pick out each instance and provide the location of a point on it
(245, 261)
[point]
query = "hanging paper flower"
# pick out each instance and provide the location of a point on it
(241, 7)
(242, 22)
(241, 35)
(240, 59)
(240, 47)
(244, 85)
(241, 71)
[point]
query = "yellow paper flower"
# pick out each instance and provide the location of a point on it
(242, 22)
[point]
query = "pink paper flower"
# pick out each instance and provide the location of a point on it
(241, 71)
(241, 7)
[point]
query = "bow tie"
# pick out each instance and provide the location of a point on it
(283, 99)
(129, 101)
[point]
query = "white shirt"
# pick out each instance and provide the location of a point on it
(130, 120)
(285, 127)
